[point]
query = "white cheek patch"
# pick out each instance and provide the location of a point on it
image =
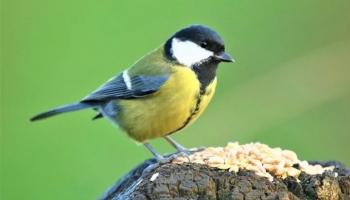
(189, 53)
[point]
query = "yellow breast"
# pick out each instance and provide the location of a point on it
(176, 105)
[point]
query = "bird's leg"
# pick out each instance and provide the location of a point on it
(156, 155)
(176, 145)
(180, 148)
(160, 159)
(181, 152)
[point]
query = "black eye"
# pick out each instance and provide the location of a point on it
(204, 45)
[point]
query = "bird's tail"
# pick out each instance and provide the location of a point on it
(65, 108)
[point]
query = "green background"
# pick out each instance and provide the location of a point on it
(289, 87)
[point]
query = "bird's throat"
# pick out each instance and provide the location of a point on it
(206, 73)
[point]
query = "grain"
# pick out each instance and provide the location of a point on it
(259, 158)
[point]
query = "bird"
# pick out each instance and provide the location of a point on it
(161, 93)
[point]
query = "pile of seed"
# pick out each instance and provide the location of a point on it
(259, 158)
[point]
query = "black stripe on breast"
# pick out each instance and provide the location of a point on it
(206, 73)
(193, 111)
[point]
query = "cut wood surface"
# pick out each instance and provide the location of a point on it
(198, 181)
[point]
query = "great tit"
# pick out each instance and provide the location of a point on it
(163, 92)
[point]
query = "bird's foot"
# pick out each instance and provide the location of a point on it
(150, 168)
(175, 156)
(164, 160)
(190, 152)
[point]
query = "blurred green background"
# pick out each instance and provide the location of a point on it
(289, 87)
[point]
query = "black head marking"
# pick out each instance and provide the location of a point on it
(199, 34)
(205, 38)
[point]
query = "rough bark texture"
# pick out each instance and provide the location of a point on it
(196, 181)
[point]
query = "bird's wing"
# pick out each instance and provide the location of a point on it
(124, 86)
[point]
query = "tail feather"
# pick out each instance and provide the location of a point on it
(63, 109)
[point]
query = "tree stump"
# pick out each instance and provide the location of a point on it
(197, 181)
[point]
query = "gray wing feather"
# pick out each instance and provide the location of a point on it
(116, 88)
(143, 85)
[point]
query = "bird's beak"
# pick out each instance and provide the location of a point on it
(224, 57)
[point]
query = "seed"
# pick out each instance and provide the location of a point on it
(232, 144)
(216, 160)
(309, 171)
(154, 176)
(288, 163)
(277, 150)
(290, 155)
(198, 161)
(234, 161)
(281, 164)
(256, 157)
(181, 159)
(280, 171)
(254, 169)
(303, 164)
(255, 162)
(214, 165)
(191, 157)
(248, 166)
(268, 167)
(293, 172)
(318, 166)
(242, 160)
(233, 168)
(224, 166)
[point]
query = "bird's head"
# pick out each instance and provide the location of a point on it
(196, 45)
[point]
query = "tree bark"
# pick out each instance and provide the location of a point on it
(196, 181)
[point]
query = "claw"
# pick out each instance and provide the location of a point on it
(190, 152)
(180, 154)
